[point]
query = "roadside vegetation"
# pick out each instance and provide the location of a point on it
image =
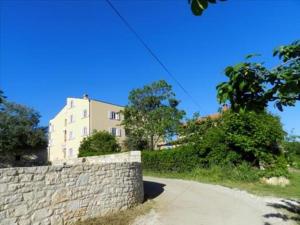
(244, 143)
(292, 151)
(236, 178)
(125, 217)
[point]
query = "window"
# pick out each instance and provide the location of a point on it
(71, 104)
(113, 131)
(51, 127)
(71, 135)
(84, 113)
(50, 142)
(18, 158)
(119, 132)
(113, 115)
(84, 131)
(71, 119)
(70, 152)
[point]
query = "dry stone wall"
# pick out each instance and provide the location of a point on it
(63, 194)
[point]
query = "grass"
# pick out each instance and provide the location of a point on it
(125, 217)
(255, 187)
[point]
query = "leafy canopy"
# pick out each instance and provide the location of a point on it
(251, 86)
(19, 128)
(99, 143)
(152, 114)
(237, 138)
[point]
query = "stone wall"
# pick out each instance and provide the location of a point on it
(133, 156)
(63, 194)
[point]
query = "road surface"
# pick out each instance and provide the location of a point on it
(179, 202)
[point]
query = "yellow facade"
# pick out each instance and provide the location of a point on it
(78, 118)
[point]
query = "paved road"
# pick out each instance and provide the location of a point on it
(179, 202)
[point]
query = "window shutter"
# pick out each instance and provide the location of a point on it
(109, 114)
(118, 116)
(110, 130)
(119, 132)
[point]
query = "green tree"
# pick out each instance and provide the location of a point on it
(245, 137)
(152, 114)
(193, 130)
(19, 128)
(292, 149)
(198, 6)
(2, 97)
(135, 142)
(251, 86)
(99, 143)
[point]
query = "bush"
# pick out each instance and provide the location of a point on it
(99, 143)
(237, 142)
(181, 159)
(256, 137)
(250, 137)
(292, 153)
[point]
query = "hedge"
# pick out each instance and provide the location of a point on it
(181, 159)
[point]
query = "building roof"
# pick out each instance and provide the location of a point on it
(106, 102)
(97, 100)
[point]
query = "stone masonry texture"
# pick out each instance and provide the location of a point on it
(63, 194)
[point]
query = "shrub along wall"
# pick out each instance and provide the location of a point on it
(181, 159)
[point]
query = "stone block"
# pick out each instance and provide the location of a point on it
(41, 214)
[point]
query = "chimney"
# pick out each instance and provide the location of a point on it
(85, 96)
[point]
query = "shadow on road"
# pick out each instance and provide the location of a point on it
(152, 190)
(288, 210)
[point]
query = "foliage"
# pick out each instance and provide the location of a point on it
(256, 137)
(152, 114)
(184, 158)
(99, 143)
(198, 6)
(19, 129)
(251, 86)
(135, 142)
(232, 140)
(292, 152)
(194, 129)
(2, 97)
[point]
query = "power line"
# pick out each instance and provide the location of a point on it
(151, 52)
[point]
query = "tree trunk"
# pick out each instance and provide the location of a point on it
(152, 142)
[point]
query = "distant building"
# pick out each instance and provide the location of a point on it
(78, 119)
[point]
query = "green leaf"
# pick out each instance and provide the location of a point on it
(249, 56)
(279, 106)
(203, 4)
(195, 7)
(242, 85)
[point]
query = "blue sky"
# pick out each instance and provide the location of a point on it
(54, 49)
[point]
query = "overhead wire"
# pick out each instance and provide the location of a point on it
(146, 46)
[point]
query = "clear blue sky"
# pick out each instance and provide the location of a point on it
(54, 49)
